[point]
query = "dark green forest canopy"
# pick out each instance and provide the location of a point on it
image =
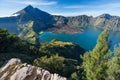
(13, 47)
(64, 57)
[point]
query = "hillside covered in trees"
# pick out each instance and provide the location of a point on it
(50, 53)
(65, 58)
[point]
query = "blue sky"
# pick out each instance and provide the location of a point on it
(63, 7)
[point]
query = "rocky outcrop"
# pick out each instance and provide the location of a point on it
(107, 21)
(15, 70)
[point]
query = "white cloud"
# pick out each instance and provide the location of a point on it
(34, 2)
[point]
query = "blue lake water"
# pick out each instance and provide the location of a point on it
(87, 39)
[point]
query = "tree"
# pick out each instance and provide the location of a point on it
(52, 63)
(57, 64)
(113, 71)
(94, 62)
(117, 50)
(3, 39)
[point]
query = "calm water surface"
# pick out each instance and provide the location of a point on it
(87, 39)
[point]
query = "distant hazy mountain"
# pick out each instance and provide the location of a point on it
(34, 20)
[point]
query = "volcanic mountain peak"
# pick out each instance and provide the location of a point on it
(107, 16)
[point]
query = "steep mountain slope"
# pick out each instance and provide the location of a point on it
(43, 21)
(15, 70)
(26, 32)
(40, 18)
(80, 21)
(103, 21)
(16, 23)
(106, 20)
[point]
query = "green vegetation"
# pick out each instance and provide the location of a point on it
(94, 62)
(61, 48)
(57, 64)
(114, 65)
(11, 46)
(64, 57)
(27, 33)
(99, 64)
(56, 59)
(55, 56)
(113, 70)
(117, 50)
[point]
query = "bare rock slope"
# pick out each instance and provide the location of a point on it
(15, 70)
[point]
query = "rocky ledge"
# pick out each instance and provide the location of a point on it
(15, 70)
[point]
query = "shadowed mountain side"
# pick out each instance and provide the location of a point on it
(43, 21)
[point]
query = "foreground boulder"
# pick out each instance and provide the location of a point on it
(15, 70)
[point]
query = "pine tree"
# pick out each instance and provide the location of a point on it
(113, 70)
(94, 62)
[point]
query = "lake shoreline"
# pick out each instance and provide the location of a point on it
(65, 30)
(86, 39)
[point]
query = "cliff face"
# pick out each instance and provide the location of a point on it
(43, 21)
(19, 23)
(107, 21)
(15, 70)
